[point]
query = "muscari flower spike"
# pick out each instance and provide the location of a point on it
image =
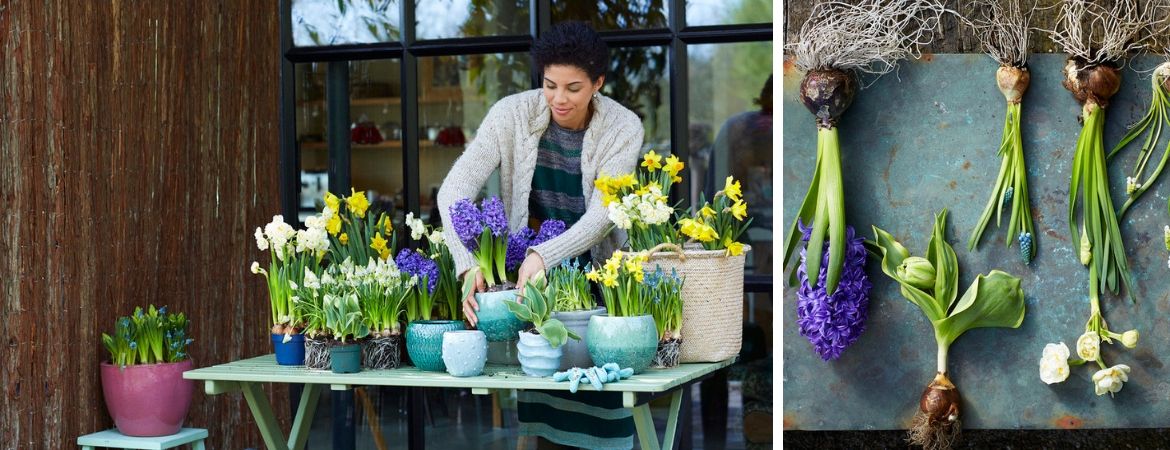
(1026, 247)
(832, 323)
(1007, 196)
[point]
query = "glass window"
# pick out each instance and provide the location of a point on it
(375, 117)
(337, 22)
(727, 12)
(440, 19)
(613, 14)
(731, 134)
(311, 129)
(637, 78)
(456, 93)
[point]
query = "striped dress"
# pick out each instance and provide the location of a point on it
(594, 420)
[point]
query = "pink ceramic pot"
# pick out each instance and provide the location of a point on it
(147, 400)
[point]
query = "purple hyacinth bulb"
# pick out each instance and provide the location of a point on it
(549, 229)
(467, 221)
(518, 243)
(832, 323)
(415, 263)
(493, 216)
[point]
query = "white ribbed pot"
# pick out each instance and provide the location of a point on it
(537, 357)
(576, 352)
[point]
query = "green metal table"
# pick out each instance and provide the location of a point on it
(249, 374)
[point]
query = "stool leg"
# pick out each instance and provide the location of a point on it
(197, 445)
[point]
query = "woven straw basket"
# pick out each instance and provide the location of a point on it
(712, 295)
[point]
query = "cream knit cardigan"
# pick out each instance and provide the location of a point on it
(508, 139)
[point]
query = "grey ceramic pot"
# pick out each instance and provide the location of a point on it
(627, 341)
(576, 352)
(464, 352)
(494, 318)
(537, 357)
(424, 342)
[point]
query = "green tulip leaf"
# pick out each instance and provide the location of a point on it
(993, 300)
(893, 253)
(942, 255)
(554, 331)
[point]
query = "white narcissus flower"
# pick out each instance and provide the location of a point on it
(617, 215)
(255, 267)
(327, 214)
(261, 241)
(1110, 380)
(646, 213)
(328, 280)
(417, 227)
(436, 237)
(310, 281)
(1089, 346)
(293, 285)
(313, 222)
(1054, 363)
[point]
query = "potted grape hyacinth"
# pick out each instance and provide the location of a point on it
(143, 383)
(484, 232)
(665, 304)
(424, 336)
(573, 305)
(540, 346)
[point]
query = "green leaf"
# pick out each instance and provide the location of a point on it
(993, 300)
(521, 311)
(554, 331)
(892, 255)
(946, 265)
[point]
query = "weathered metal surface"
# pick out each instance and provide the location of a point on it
(925, 138)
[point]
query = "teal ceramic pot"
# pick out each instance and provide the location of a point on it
(346, 358)
(424, 342)
(576, 352)
(627, 341)
(495, 320)
(537, 357)
(464, 352)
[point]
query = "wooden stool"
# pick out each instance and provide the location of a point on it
(114, 439)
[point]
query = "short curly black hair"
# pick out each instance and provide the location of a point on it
(572, 44)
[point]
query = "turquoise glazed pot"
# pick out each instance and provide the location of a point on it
(464, 352)
(627, 341)
(496, 321)
(424, 342)
(537, 357)
(346, 358)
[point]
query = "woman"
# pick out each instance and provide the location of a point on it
(550, 144)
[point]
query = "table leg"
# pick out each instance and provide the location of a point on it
(644, 423)
(304, 418)
(262, 412)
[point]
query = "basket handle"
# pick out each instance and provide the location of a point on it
(667, 246)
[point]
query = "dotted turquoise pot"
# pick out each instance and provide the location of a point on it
(424, 342)
(346, 358)
(495, 320)
(627, 341)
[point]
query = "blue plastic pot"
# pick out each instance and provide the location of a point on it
(346, 358)
(627, 341)
(291, 353)
(424, 342)
(495, 319)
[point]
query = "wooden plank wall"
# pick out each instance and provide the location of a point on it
(138, 149)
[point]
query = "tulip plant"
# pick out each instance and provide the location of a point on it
(838, 40)
(931, 283)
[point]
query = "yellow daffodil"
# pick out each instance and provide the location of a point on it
(733, 248)
(642, 191)
(333, 226)
(675, 179)
(633, 265)
(593, 276)
(609, 279)
(384, 254)
(614, 261)
(673, 166)
(731, 189)
(603, 184)
(707, 212)
(344, 238)
(708, 234)
(625, 181)
(652, 161)
(638, 276)
(607, 198)
(378, 243)
(332, 201)
(739, 210)
(357, 203)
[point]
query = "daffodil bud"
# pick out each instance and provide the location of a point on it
(1130, 185)
(1089, 346)
(918, 272)
(1086, 250)
(1130, 338)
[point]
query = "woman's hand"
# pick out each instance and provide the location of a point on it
(470, 306)
(532, 265)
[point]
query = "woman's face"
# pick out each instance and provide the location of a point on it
(568, 91)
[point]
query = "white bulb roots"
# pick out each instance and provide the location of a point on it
(870, 36)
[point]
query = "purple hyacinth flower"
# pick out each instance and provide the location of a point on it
(832, 323)
(468, 223)
(417, 264)
(493, 216)
(549, 229)
(518, 243)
